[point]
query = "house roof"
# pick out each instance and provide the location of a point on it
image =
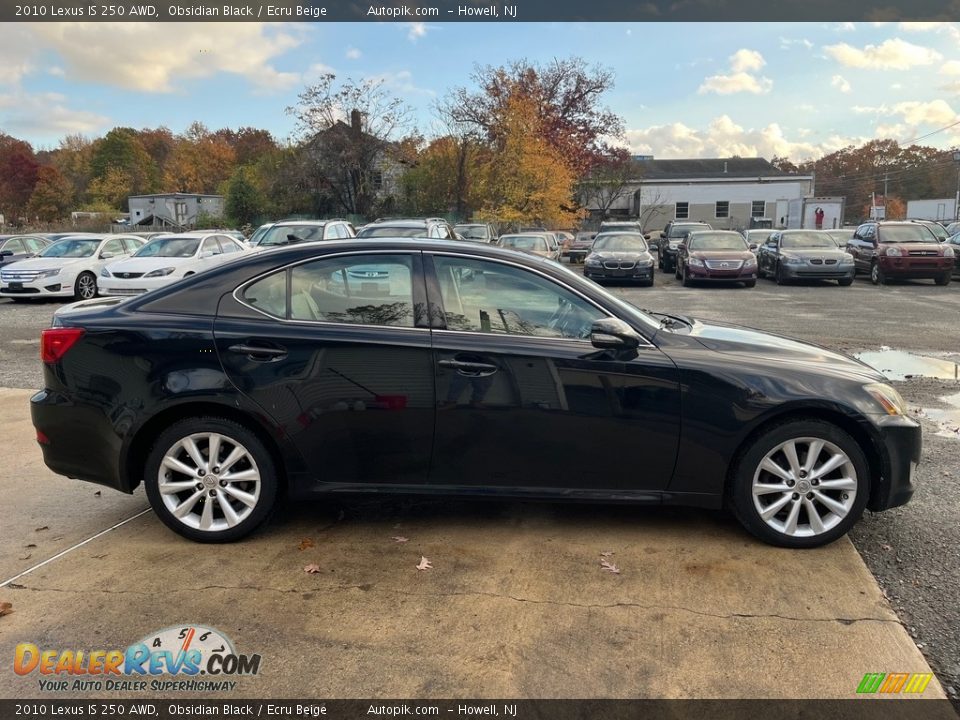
(705, 168)
(177, 195)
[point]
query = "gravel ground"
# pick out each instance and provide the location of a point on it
(913, 551)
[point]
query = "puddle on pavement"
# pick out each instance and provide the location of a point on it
(947, 418)
(901, 365)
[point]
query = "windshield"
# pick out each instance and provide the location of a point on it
(472, 231)
(524, 242)
(625, 243)
(807, 240)
(716, 241)
(286, 234)
(169, 247)
(906, 234)
(259, 233)
(937, 229)
(387, 231)
(77, 248)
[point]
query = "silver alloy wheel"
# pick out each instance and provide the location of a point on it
(804, 487)
(87, 286)
(209, 481)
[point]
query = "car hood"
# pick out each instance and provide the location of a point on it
(907, 247)
(770, 349)
(814, 252)
(46, 263)
(722, 254)
(146, 264)
(621, 255)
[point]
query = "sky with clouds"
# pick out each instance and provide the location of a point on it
(685, 90)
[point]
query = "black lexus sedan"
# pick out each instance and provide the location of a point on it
(619, 256)
(465, 369)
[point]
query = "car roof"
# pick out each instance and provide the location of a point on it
(400, 222)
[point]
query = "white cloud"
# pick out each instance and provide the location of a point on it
(840, 83)
(401, 82)
(787, 43)
(743, 63)
(353, 54)
(156, 57)
(738, 82)
(723, 138)
(892, 54)
(46, 114)
(844, 27)
(934, 112)
(17, 58)
(744, 60)
(417, 30)
(950, 67)
(937, 27)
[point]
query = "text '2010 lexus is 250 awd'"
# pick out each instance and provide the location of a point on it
(424, 366)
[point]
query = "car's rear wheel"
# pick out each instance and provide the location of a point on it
(877, 276)
(943, 279)
(802, 484)
(85, 287)
(210, 479)
(684, 276)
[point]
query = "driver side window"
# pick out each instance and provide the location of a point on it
(489, 297)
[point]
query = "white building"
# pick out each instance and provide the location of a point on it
(174, 210)
(725, 192)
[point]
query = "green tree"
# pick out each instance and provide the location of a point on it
(244, 203)
(52, 195)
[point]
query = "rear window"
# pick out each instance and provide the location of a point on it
(385, 231)
(680, 230)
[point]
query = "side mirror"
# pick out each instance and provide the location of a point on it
(6, 253)
(753, 246)
(613, 333)
(106, 255)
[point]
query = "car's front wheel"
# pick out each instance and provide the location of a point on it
(85, 288)
(877, 276)
(210, 479)
(943, 279)
(802, 484)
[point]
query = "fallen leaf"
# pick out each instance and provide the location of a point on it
(45, 527)
(305, 543)
(27, 556)
(609, 567)
(606, 553)
(30, 545)
(424, 564)
(399, 539)
(5, 608)
(311, 569)
(97, 494)
(886, 547)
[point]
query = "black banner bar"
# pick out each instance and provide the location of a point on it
(482, 11)
(873, 708)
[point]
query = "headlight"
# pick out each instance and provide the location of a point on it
(750, 262)
(894, 252)
(791, 260)
(888, 398)
(592, 260)
(847, 259)
(948, 252)
(645, 262)
(159, 273)
(695, 261)
(48, 273)
(104, 272)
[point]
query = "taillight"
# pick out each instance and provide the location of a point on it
(55, 342)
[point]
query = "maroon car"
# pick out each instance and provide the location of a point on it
(890, 249)
(716, 255)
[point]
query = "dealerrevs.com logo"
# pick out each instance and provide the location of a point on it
(198, 658)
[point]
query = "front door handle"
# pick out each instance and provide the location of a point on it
(468, 367)
(259, 352)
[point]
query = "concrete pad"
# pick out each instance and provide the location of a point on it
(516, 605)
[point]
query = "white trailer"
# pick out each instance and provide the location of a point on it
(802, 212)
(938, 209)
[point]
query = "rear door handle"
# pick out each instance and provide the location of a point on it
(259, 352)
(467, 367)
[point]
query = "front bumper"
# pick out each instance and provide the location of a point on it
(639, 274)
(133, 286)
(916, 267)
(818, 272)
(41, 288)
(899, 442)
(702, 274)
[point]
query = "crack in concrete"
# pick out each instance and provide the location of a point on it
(534, 601)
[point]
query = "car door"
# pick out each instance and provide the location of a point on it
(523, 398)
(342, 365)
(769, 253)
(16, 248)
(861, 246)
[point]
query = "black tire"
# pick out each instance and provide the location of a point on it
(845, 282)
(778, 275)
(676, 272)
(235, 434)
(649, 283)
(740, 490)
(877, 276)
(684, 277)
(85, 286)
(750, 283)
(942, 279)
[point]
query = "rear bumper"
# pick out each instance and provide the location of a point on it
(900, 443)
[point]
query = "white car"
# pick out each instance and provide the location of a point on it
(69, 267)
(166, 259)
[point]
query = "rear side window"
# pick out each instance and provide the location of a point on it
(355, 290)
